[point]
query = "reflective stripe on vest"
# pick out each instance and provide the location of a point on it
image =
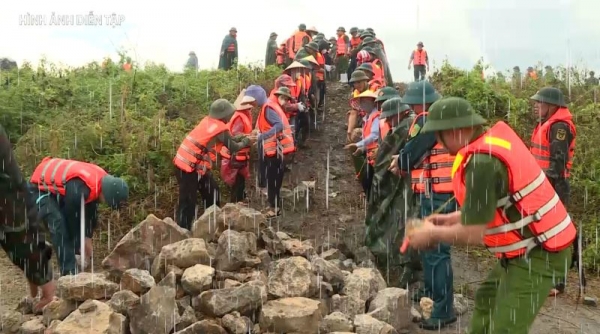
(193, 153)
(242, 155)
(342, 47)
(420, 57)
(540, 140)
(281, 143)
(52, 174)
(320, 73)
(531, 194)
(372, 147)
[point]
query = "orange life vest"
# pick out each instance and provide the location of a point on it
(372, 147)
(280, 53)
(533, 75)
(242, 155)
(354, 42)
(342, 47)
(281, 143)
(320, 73)
(540, 140)
(419, 57)
(530, 193)
(375, 85)
(295, 42)
(52, 174)
(193, 153)
(384, 128)
(434, 170)
(378, 70)
(231, 47)
(127, 67)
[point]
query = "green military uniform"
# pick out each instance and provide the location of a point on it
(228, 58)
(20, 235)
(386, 209)
(271, 53)
(437, 264)
(515, 289)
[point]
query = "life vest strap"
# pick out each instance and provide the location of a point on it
(200, 146)
(436, 165)
(535, 217)
(531, 243)
(517, 196)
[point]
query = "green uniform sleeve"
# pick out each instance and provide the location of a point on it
(486, 180)
(231, 143)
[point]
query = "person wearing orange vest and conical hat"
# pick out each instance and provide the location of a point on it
(23, 238)
(195, 158)
(370, 137)
(235, 169)
(507, 204)
(276, 145)
(60, 201)
(553, 147)
(360, 81)
(420, 61)
(301, 97)
(429, 165)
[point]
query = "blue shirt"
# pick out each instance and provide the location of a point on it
(374, 135)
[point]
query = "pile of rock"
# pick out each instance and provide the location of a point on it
(230, 274)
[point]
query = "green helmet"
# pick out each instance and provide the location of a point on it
(284, 91)
(393, 107)
(366, 67)
(353, 30)
(360, 31)
(550, 95)
(321, 35)
(451, 113)
(369, 50)
(341, 29)
(420, 92)
(368, 40)
(387, 93)
(302, 27)
(221, 109)
(306, 63)
(313, 46)
(365, 35)
(358, 75)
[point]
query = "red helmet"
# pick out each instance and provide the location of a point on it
(284, 80)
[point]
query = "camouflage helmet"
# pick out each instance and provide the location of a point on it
(221, 109)
(366, 67)
(357, 76)
(283, 91)
(387, 93)
(353, 30)
(550, 95)
(451, 113)
(368, 40)
(420, 92)
(393, 107)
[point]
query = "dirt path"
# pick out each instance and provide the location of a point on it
(342, 217)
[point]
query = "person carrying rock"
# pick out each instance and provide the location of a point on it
(20, 234)
(276, 142)
(507, 204)
(229, 51)
(370, 136)
(429, 165)
(235, 169)
(196, 155)
(553, 147)
(66, 190)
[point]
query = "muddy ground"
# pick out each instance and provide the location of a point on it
(342, 217)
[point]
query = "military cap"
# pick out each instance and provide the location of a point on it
(366, 67)
(353, 30)
(387, 93)
(221, 109)
(341, 29)
(420, 92)
(550, 95)
(284, 91)
(313, 46)
(393, 107)
(358, 76)
(368, 40)
(451, 113)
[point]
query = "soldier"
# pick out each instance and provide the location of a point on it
(389, 117)
(20, 235)
(509, 205)
(192, 63)
(229, 50)
(553, 147)
(592, 80)
(429, 164)
(271, 53)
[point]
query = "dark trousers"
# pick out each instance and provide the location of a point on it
(367, 179)
(351, 68)
(322, 87)
(275, 169)
(189, 186)
(419, 71)
(301, 130)
(238, 190)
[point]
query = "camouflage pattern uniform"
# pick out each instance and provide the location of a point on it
(20, 235)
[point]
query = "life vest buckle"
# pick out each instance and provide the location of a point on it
(515, 198)
(536, 216)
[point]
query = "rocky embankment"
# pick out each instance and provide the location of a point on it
(231, 274)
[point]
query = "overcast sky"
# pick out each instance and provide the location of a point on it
(506, 33)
